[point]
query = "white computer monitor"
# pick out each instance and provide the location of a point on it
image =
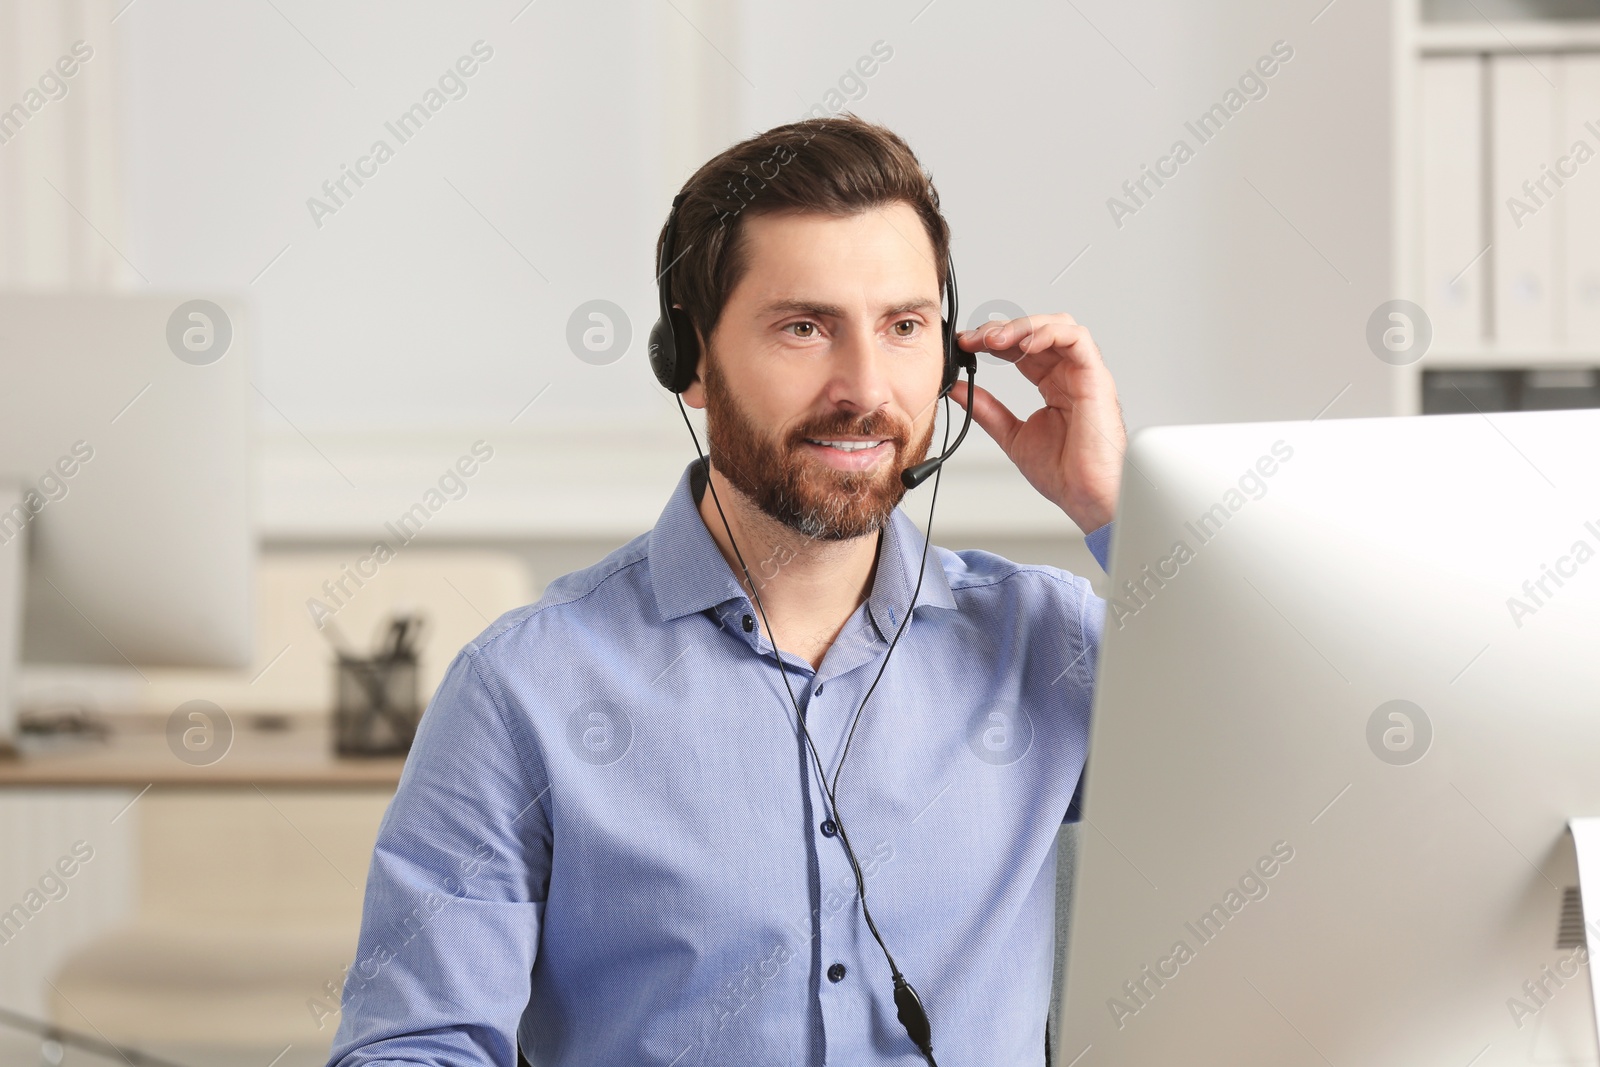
(1349, 698)
(125, 499)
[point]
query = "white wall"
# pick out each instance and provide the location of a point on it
(406, 309)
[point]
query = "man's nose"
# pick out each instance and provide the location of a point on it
(859, 370)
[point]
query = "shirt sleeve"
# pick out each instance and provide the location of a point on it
(1091, 629)
(455, 893)
(1099, 542)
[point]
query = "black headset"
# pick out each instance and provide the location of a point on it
(674, 356)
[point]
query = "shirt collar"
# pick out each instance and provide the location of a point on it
(690, 574)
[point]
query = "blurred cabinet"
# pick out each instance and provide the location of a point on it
(1503, 197)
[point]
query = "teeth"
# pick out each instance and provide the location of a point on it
(847, 446)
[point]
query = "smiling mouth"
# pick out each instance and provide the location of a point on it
(845, 445)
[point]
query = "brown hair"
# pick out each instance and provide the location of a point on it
(840, 166)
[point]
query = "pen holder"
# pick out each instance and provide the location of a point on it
(376, 709)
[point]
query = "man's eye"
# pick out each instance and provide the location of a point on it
(907, 322)
(803, 325)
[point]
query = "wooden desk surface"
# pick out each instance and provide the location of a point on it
(137, 754)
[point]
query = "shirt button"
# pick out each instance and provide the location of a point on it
(819, 687)
(836, 973)
(829, 828)
(749, 623)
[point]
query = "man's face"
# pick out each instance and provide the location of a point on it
(824, 367)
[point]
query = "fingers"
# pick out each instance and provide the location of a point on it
(988, 412)
(1052, 337)
(1005, 333)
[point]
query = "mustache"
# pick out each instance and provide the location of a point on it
(876, 424)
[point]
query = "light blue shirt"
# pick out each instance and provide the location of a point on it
(610, 843)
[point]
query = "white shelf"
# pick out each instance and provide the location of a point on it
(1548, 35)
(1489, 359)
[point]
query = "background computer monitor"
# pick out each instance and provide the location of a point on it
(125, 442)
(1348, 699)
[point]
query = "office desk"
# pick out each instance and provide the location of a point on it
(137, 755)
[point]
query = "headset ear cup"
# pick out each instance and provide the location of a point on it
(951, 364)
(663, 354)
(687, 346)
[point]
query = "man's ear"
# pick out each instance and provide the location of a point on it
(695, 394)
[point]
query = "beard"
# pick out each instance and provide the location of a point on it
(798, 491)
